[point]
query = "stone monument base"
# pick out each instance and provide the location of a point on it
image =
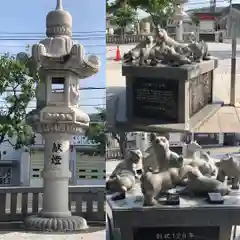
(192, 125)
(72, 223)
(178, 98)
(194, 218)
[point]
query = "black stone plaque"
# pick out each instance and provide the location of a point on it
(155, 99)
(176, 233)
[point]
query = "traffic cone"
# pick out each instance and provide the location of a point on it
(118, 54)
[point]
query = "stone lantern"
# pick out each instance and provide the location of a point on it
(179, 16)
(60, 65)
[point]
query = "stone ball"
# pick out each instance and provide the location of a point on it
(58, 18)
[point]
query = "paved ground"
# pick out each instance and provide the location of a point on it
(101, 235)
(227, 119)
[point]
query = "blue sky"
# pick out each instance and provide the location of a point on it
(28, 16)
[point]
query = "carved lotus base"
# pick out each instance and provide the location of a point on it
(72, 223)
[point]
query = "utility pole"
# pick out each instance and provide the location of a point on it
(229, 19)
(213, 4)
(233, 59)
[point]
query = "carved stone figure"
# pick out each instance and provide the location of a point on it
(196, 171)
(122, 182)
(203, 162)
(160, 154)
(198, 184)
(141, 50)
(229, 167)
(161, 157)
(165, 50)
(173, 58)
(191, 148)
(199, 50)
(155, 183)
(124, 175)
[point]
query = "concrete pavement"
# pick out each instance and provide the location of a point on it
(227, 119)
(99, 235)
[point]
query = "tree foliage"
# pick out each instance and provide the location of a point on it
(195, 19)
(17, 88)
(97, 133)
(159, 10)
(123, 16)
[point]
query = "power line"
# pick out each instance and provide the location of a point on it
(39, 33)
(86, 53)
(85, 45)
(38, 39)
(44, 36)
(57, 89)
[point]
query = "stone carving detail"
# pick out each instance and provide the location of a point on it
(71, 57)
(199, 185)
(58, 117)
(229, 167)
(196, 173)
(162, 170)
(74, 95)
(56, 158)
(200, 92)
(59, 127)
(62, 30)
(165, 50)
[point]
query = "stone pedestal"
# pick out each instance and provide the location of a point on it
(56, 175)
(55, 214)
(177, 97)
(193, 219)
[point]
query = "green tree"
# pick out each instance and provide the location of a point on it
(159, 10)
(195, 19)
(97, 133)
(123, 16)
(17, 88)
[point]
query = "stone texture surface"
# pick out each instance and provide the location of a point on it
(72, 223)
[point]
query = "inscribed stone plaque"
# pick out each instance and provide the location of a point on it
(155, 99)
(177, 233)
